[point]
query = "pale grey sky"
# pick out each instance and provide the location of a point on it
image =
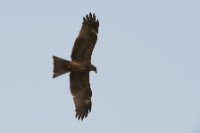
(147, 56)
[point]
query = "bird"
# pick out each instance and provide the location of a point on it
(80, 66)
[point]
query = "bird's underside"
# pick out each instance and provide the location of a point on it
(80, 66)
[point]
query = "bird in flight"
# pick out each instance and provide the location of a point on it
(80, 66)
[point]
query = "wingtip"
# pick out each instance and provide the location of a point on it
(90, 19)
(84, 20)
(83, 112)
(90, 15)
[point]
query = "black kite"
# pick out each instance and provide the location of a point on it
(80, 66)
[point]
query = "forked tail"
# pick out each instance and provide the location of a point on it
(60, 66)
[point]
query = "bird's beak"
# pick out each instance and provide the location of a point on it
(95, 71)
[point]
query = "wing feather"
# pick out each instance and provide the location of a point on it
(82, 52)
(85, 42)
(81, 91)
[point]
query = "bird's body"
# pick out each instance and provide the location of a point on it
(80, 66)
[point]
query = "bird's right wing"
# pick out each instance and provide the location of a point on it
(85, 42)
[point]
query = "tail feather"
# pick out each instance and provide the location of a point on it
(61, 66)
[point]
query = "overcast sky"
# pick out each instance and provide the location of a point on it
(147, 55)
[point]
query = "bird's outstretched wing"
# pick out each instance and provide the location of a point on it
(81, 91)
(81, 52)
(86, 40)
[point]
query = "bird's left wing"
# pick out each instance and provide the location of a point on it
(81, 91)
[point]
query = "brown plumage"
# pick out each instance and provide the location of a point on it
(80, 66)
